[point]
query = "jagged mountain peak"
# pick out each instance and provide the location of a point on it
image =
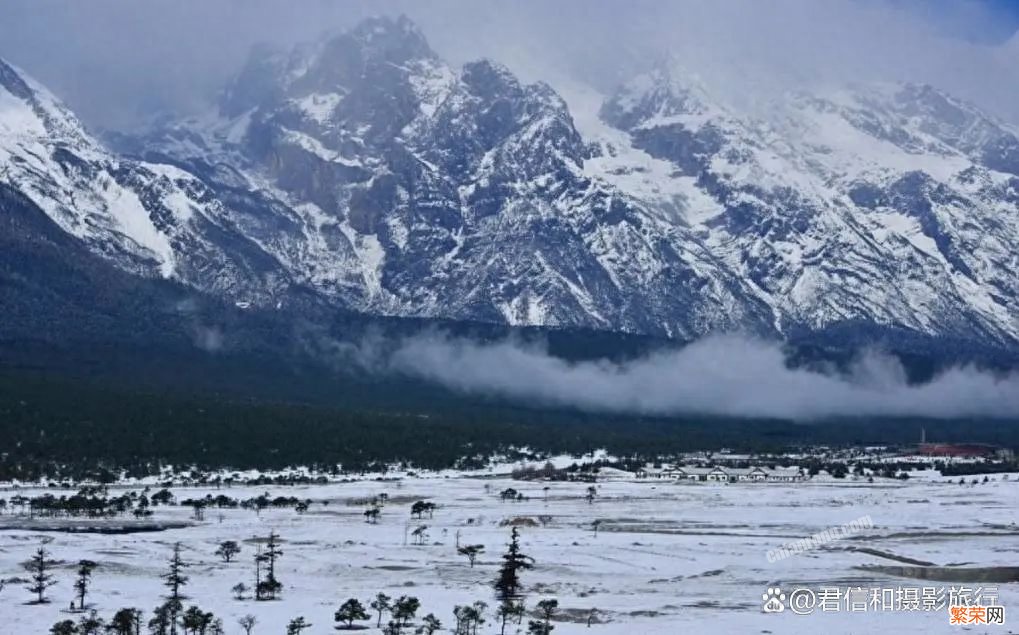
(257, 82)
(33, 111)
(664, 94)
(812, 186)
(919, 120)
(363, 168)
(373, 51)
(375, 45)
(12, 81)
(490, 79)
(389, 39)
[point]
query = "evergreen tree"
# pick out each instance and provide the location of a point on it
(64, 627)
(174, 577)
(509, 611)
(196, 621)
(507, 585)
(270, 586)
(547, 608)
(538, 627)
(39, 568)
(85, 569)
(164, 618)
(380, 604)
(429, 625)
(91, 624)
(472, 552)
(259, 559)
(478, 615)
(351, 610)
(420, 534)
(469, 618)
(126, 621)
(405, 608)
(297, 625)
(227, 550)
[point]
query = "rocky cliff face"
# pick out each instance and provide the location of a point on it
(365, 169)
(892, 205)
(151, 219)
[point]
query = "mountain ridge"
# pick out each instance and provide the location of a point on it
(365, 170)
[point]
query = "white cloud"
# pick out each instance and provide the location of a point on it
(116, 60)
(721, 375)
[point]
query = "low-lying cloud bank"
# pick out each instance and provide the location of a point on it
(721, 375)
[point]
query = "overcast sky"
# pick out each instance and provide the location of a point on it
(118, 61)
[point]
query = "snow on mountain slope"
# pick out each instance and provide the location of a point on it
(366, 169)
(152, 219)
(460, 193)
(47, 154)
(889, 205)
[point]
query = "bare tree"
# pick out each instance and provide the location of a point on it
(248, 623)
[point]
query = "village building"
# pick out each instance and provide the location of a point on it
(723, 474)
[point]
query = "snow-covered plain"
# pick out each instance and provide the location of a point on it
(669, 557)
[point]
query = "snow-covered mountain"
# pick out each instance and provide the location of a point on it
(151, 219)
(891, 205)
(431, 191)
(366, 169)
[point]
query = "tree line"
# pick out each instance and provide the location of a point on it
(176, 614)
